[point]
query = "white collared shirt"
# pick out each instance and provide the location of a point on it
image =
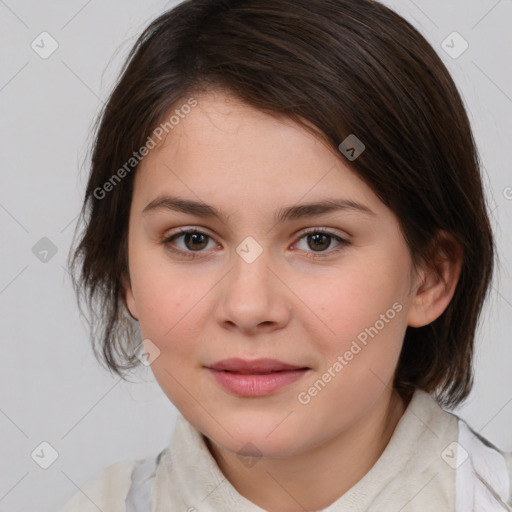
(433, 463)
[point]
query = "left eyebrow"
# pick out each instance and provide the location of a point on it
(319, 208)
(284, 214)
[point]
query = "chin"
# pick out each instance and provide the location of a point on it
(254, 436)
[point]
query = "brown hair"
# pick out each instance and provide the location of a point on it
(337, 67)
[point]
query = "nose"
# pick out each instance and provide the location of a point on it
(253, 296)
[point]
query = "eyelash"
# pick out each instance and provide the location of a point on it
(312, 255)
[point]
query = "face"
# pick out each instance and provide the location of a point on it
(311, 324)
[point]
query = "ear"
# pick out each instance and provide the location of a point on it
(128, 298)
(437, 280)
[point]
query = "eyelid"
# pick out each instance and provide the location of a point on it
(300, 233)
(168, 238)
(324, 229)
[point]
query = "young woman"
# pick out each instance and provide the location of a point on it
(285, 199)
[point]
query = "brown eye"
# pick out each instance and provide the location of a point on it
(193, 242)
(319, 241)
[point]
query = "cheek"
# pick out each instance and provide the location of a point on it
(361, 295)
(169, 303)
(172, 309)
(366, 319)
(363, 323)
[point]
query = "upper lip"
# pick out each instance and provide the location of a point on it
(262, 365)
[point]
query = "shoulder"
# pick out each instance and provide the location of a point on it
(483, 471)
(106, 490)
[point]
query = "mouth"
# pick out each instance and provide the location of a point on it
(255, 378)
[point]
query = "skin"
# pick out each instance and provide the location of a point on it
(284, 305)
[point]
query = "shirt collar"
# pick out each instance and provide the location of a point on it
(189, 478)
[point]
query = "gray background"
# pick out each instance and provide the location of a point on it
(51, 387)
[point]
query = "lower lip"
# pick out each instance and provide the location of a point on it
(247, 384)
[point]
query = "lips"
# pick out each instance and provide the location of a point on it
(257, 366)
(255, 378)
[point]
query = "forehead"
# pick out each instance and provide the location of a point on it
(228, 152)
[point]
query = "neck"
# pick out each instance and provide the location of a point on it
(315, 479)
